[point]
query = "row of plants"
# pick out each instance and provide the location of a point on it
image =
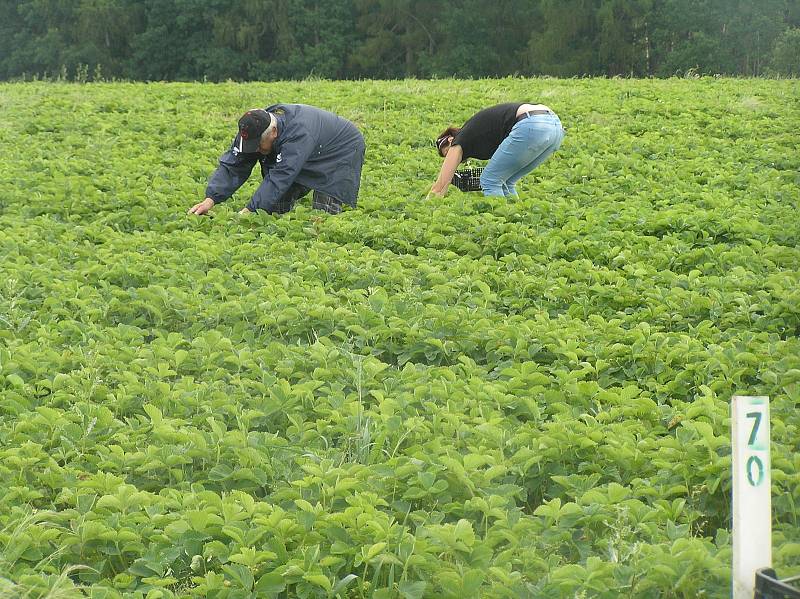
(418, 398)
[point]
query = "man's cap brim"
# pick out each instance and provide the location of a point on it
(246, 146)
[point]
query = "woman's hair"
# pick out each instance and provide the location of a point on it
(440, 141)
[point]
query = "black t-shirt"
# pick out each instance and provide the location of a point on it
(485, 131)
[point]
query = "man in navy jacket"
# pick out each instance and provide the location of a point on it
(299, 148)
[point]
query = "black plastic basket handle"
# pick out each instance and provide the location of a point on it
(768, 586)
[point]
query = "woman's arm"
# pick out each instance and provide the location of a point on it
(449, 166)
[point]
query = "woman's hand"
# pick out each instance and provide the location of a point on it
(449, 166)
(435, 193)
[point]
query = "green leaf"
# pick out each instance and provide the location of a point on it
(154, 413)
(160, 582)
(270, 584)
(374, 550)
(240, 575)
(145, 568)
(15, 380)
(343, 583)
(413, 590)
(220, 472)
(61, 380)
(319, 580)
(473, 579)
(180, 357)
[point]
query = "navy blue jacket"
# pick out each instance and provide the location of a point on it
(314, 148)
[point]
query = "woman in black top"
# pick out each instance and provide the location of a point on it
(515, 138)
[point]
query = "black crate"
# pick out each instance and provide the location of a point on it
(768, 586)
(468, 179)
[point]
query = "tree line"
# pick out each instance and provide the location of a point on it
(347, 39)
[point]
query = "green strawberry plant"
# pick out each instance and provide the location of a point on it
(458, 397)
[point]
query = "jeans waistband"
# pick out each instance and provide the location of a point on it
(528, 113)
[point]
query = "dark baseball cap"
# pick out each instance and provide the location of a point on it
(252, 124)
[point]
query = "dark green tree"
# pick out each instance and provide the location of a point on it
(718, 36)
(36, 36)
(105, 30)
(624, 45)
(177, 43)
(398, 37)
(750, 34)
(785, 59)
(291, 39)
(480, 39)
(285, 40)
(565, 41)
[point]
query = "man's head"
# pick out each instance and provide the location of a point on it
(257, 131)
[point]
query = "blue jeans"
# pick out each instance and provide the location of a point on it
(530, 143)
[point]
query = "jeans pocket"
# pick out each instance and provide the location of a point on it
(541, 136)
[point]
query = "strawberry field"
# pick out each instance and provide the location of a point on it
(448, 398)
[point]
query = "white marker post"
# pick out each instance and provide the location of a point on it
(752, 510)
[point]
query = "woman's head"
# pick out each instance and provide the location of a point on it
(445, 140)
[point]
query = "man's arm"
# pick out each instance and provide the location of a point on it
(233, 170)
(295, 151)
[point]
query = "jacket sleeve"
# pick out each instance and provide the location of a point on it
(295, 151)
(233, 170)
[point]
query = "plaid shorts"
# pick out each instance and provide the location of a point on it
(296, 192)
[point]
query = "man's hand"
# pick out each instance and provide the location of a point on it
(202, 208)
(244, 211)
